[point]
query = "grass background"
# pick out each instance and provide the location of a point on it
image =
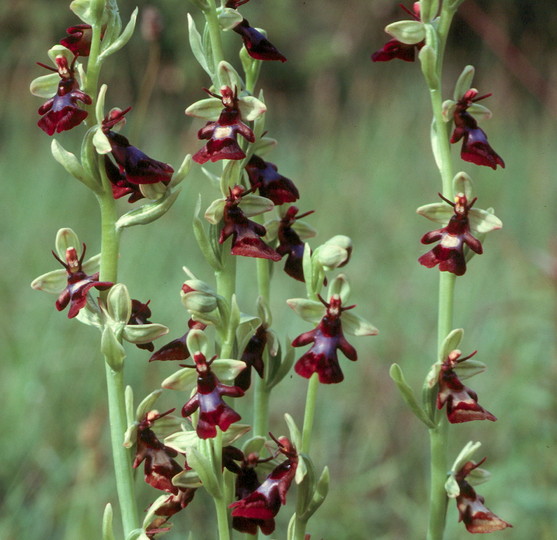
(354, 137)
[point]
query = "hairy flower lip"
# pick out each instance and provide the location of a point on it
(257, 45)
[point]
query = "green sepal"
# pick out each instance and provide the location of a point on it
(253, 205)
(143, 333)
(179, 176)
(483, 221)
(271, 228)
(231, 174)
(152, 511)
(196, 44)
(187, 479)
(465, 455)
(450, 343)
(207, 109)
(479, 111)
(52, 282)
(227, 369)
(89, 156)
(464, 82)
(304, 230)
(197, 342)
(45, 86)
(469, 368)
(263, 145)
(408, 32)
(182, 380)
(147, 404)
(448, 108)
(101, 142)
(215, 211)
(339, 286)
(451, 485)
(66, 238)
(291, 531)
(462, 183)
(154, 192)
(139, 534)
(112, 349)
(148, 212)
(320, 492)
(118, 303)
(251, 108)
(408, 395)
(73, 166)
(60, 50)
(436, 212)
(435, 144)
(304, 478)
(309, 310)
(229, 18)
(294, 431)
(89, 11)
(202, 465)
(254, 445)
(356, 325)
(107, 530)
(228, 76)
(89, 317)
(212, 256)
(334, 253)
(122, 39)
(428, 10)
(99, 109)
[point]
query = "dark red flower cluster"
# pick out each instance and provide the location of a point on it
(221, 135)
(326, 338)
(61, 112)
(290, 243)
(79, 283)
(213, 411)
(259, 506)
(264, 177)
(133, 167)
(449, 253)
(177, 349)
(246, 234)
(476, 517)
(395, 49)
(462, 402)
(159, 469)
(475, 147)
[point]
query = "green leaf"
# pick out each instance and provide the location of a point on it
(319, 494)
(202, 465)
(122, 39)
(408, 395)
(112, 349)
(73, 166)
(148, 212)
(197, 48)
(179, 176)
(107, 530)
(181, 380)
(119, 303)
(143, 333)
(408, 32)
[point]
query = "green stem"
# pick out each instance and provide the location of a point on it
(93, 71)
(215, 36)
(439, 436)
(121, 455)
(226, 287)
(309, 413)
(115, 380)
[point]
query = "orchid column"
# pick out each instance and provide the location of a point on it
(463, 230)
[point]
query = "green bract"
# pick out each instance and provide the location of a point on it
(196, 44)
(408, 32)
(118, 303)
(89, 11)
(122, 39)
(72, 165)
(148, 212)
(229, 18)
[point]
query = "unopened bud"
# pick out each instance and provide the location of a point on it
(335, 253)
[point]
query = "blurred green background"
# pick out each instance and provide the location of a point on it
(354, 136)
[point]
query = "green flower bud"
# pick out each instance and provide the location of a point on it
(119, 304)
(334, 253)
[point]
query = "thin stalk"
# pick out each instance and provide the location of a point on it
(93, 71)
(115, 380)
(221, 508)
(439, 436)
(215, 36)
